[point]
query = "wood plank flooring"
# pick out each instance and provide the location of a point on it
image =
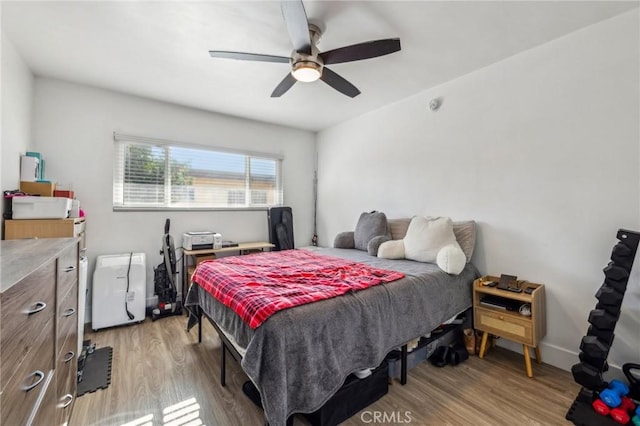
(162, 376)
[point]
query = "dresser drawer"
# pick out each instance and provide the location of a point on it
(19, 328)
(67, 367)
(67, 270)
(67, 319)
(66, 380)
(505, 324)
(21, 393)
(47, 408)
(63, 409)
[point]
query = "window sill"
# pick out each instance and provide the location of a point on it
(188, 209)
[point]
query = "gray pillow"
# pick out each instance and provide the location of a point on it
(370, 225)
(465, 233)
(344, 240)
(375, 242)
(399, 227)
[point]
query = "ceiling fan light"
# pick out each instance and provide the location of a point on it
(306, 71)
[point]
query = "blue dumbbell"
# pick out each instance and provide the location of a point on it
(612, 396)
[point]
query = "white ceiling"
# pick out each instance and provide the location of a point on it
(160, 50)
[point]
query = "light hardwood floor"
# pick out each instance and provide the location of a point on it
(162, 376)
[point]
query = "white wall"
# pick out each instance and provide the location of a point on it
(17, 99)
(542, 149)
(73, 128)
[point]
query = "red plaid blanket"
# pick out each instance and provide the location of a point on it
(258, 285)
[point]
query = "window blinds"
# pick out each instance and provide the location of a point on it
(156, 174)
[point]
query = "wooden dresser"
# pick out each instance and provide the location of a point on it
(38, 343)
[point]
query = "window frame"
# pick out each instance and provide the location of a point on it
(121, 140)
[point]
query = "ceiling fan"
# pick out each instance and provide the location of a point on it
(307, 62)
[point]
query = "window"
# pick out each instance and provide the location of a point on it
(259, 198)
(152, 174)
(235, 197)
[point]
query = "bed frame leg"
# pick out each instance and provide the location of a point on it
(200, 331)
(403, 366)
(223, 366)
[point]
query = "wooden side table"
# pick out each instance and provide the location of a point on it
(491, 318)
(241, 248)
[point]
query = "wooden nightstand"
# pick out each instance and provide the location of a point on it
(199, 255)
(508, 322)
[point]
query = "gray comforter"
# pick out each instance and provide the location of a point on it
(300, 357)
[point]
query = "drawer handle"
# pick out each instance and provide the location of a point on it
(69, 312)
(70, 355)
(37, 307)
(69, 269)
(69, 399)
(501, 317)
(39, 380)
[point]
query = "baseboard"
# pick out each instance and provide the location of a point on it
(559, 357)
(551, 354)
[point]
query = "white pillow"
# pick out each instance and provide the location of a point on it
(451, 259)
(425, 237)
(393, 249)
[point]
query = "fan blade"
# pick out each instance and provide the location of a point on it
(247, 56)
(339, 83)
(297, 25)
(357, 52)
(284, 85)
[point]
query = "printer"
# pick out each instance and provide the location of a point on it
(201, 240)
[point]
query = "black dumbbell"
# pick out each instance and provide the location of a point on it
(615, 272)
(608, 295)
(623, 255)
(629, 238)
(599, 364)
(619, 286)
(602, 319)
(605, 336)
(587, 376)
(613, 310)
(594, 347)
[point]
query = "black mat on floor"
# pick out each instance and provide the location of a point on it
(97, 371)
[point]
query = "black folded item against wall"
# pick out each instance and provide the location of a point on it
(355, 395)
(280, 220)
(96, 373)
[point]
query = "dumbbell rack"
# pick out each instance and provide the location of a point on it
(595, 345)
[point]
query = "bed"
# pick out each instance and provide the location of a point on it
(299, 357)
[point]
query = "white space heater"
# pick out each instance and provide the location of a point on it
(119, 290)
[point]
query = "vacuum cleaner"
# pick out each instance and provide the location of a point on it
(165, 278)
